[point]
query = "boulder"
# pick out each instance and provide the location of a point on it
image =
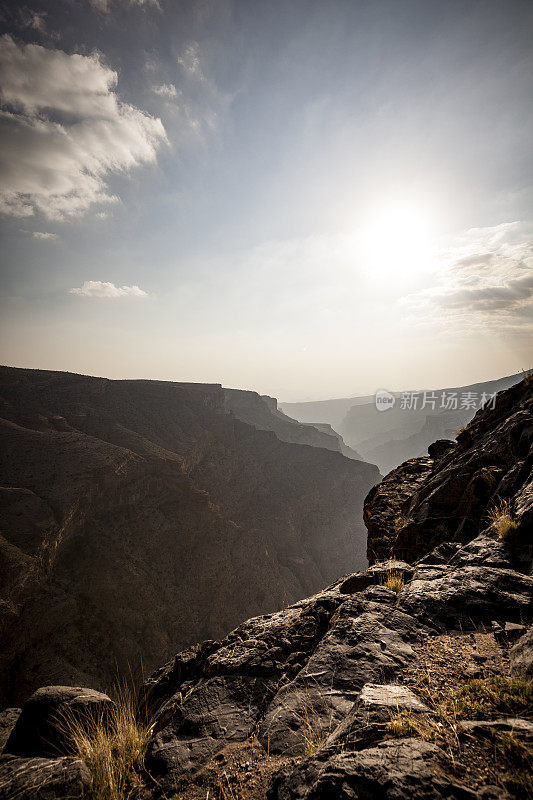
(42, 778)
(392, 696)
(521, 656)
(8, 718)
(393, 770)
(365, 643)
(368, 721)
(39, 730)
(468, 596)
(512, 726)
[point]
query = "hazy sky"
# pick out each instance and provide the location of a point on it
(310, 199)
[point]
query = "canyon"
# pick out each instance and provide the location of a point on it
(138, 517)
(411, 678)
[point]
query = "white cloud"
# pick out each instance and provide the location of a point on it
(107, 289)
(43, 235)
(63, 131)
(166, 90)
(486, 277)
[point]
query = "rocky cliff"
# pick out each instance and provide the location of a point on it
(411, 679)
(137, 517)
(447, 497)
(262, 412)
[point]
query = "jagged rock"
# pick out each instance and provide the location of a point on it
(391, 695)
(377, 574)
(426, 502)
(440, 554)
(393, 770)
(42, 778)
(521, 655)
(368, 721)
(440, 448)
(467, 596)
(484, 550)
(519, 728)
(8, 718)
(365, 643)
(510, 632)
(215, 693)
(39, 729)
(219, 710)
(383, 511)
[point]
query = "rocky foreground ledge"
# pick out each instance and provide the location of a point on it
(411, 679)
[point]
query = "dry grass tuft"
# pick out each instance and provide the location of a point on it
(501, 518)
(113, 746)
(394, 580)
(528, 376)
(403, 726)
(496, 694)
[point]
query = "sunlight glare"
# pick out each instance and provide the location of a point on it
(396, 242)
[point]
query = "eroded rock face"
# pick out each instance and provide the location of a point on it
(393, 770)
(138, 517)
(447, 497)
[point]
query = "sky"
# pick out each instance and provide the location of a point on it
(306, 199)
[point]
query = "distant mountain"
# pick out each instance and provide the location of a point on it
(262, 412)
(138, 517)
(331, 412)
(387, 438)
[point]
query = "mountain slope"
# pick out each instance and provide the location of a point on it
(137, 517)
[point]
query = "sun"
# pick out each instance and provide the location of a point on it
(395, 241)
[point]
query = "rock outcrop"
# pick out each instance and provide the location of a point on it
(449, 496)
(137, 517)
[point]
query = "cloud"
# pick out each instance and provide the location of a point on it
(486, 277)
(43, 235)
(106, 289)
(64, 131)
(166, 90)
(33, 19)
(104, 5)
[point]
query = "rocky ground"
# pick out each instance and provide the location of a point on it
(411, 679)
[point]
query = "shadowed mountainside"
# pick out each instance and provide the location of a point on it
(140, 516)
